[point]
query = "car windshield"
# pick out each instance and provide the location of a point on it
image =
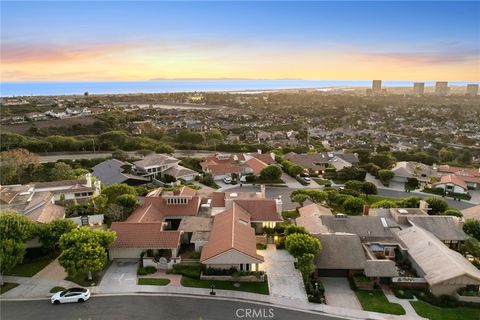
(72, 290)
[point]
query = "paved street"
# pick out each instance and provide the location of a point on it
(149, 307)
(283, 279)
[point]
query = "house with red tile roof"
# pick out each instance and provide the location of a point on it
(452, 183)
(232, 242)
(221, 165)
(470, 176)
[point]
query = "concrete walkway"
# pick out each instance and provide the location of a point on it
(54, 271)
(283, 279)
(33, 287)
(405, 303)
(339, 294)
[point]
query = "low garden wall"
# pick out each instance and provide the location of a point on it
(251, 278)
(87, 220)
(475, 299)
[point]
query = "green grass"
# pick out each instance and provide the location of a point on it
(153, 281)
(321, 181)
(426, 310)
(56, 289)
(7, 286)
(255, 287)
(375, 198)
(29, 268)
(81, 280)
(377, 302)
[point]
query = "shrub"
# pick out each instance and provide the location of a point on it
(187, 270)
(261, 246)
(150, 269)
(195, 255)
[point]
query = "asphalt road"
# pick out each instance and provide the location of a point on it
(149, 307)
(274, 192)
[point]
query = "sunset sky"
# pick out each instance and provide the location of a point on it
(83, 41)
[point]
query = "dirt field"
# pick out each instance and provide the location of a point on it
(23, 127)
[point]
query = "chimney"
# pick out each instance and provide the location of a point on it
(88, 177)
(423, 205)
(272, 154)
(366, 209)
(98, 187)
(262, 190)
(279, 204)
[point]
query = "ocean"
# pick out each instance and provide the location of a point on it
(9, 89)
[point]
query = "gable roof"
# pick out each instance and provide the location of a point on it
(340, 251)
(472, 213)
(380, 268)
(453, 179)
(154, 209)
(179, 172)
(263, 157)
(310, 218)
(445, 228)
(260, 209)
(369, 228)
(438, 262)
(144, 236)
(112, 171)
(231, 230)
(256, 165)
(155, 159)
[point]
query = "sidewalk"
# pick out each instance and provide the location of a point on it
(405, 303)
(33, 287)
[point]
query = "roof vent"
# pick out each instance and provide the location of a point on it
(402, 211)
(233, 195)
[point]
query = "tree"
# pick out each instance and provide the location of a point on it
(409, 202)
(207, 179)
(383, 160)
(271, 173)
(294, 170)
(385, 176)
(17, 166)
(188, 137)
(411, 184)
(352, 173)
(291, 229)
(164, 148)
(61, 171)
(472, 228)
(120, 155)
(353, 205)
(51, 232)
(84, 250)
(128, 202)
(317, 196)
(113, 191)
(300, 199)
(214, 136)
(368, 188)
(15, 226)
(306, 266)
(436, 205)
(353, 185)
(299, 244)
(11, 254)
(473, 246)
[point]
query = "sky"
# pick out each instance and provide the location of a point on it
(121, 40)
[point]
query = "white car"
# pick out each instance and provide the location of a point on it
(71, 295)
(227, 180)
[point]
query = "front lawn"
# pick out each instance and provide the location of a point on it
(429, 311)
(30, 268)
(255, 287)
(7, 286)
(377, 302)
(153, 281)
(81, 280)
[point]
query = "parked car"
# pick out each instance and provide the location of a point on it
(227, 180)
(71, 295)
(304, 178)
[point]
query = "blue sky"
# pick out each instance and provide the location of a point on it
(71, 36)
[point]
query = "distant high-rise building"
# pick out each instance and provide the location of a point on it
(441, 88)
(377, 86)
(418, 88)
(472, 89)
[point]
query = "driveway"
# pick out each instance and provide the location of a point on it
(121, 276)
(283, 279)
(339, 294)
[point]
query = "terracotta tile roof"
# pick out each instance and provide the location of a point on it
(264, 157)
(218, 199)
(474, 172)
(472, 213)
(451, 178)
(224, 168)
(144, 236)
(256, 165)
(260, 209)
(155, 209)
(231, 231)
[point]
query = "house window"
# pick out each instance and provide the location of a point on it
(244, 267)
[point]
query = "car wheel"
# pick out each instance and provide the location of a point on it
(80, 300)
(56, 302)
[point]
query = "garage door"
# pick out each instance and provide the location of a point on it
(332, 273)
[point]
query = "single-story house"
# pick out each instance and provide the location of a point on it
(444, 269)
(404, 170)
(451, 183)
(471, 213)
(309, 218)
(114, 171)
(232, 242)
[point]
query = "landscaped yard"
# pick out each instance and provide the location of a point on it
(7, 286)
(81, 280)
(321, 181)
(30, 268)
(153, 281)
(255, 287)
(377, 302)
(426, 310)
